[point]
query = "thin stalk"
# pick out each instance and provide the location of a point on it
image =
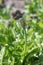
(25, 35)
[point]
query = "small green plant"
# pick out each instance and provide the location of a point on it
(21, 42)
